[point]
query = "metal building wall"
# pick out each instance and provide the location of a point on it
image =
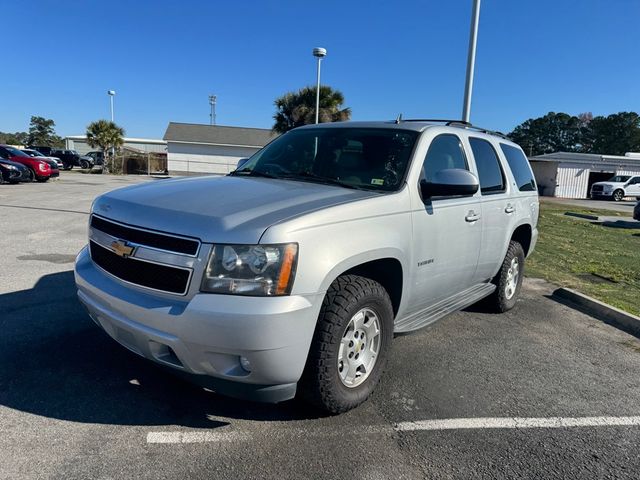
(627, 171)
(572, 181)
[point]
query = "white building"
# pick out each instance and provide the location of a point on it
(570, 175)
(211, 149)
(146, 145)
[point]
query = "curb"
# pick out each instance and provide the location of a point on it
(611, 315)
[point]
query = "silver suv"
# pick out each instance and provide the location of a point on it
(294, 272)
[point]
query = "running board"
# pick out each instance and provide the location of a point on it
(443, 308)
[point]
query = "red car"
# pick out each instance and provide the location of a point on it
(40, 170)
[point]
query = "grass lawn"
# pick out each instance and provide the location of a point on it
(602, 262)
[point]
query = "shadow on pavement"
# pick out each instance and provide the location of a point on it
(58, 364)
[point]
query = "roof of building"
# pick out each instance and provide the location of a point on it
(587, 158)
(218, 135)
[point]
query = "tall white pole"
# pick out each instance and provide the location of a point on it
(471, 61)
(111, 98)
(319, 53)
(318, 91)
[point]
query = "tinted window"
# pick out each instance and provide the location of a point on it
(519, 167)
(619, 178)
(444, 152)
(366, 158)
(489, 169)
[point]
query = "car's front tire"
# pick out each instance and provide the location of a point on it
(508, 280)
(618, 195)
(350, 346)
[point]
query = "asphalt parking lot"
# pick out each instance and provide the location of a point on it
(543, 391)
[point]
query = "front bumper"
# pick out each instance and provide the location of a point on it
(204, 337)
(601, 194)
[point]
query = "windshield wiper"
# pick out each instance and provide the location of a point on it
(321, 179)
(252, 173)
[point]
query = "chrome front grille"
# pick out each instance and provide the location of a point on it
(146, 258)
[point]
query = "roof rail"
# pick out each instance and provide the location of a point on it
(456, 123)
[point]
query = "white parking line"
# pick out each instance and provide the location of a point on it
(420, 425)
(516, 422)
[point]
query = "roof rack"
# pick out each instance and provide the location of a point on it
(454, 123)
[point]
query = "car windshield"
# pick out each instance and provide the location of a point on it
(362, 158)
(620, 178)
(34, 153)
(16, 153)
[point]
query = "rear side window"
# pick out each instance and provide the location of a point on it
(444, 152)
(519, 167)
(489, 169)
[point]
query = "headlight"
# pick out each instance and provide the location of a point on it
(256, 270)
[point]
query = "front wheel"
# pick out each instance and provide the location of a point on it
(508, 280)
(84, 164)
(42, 179)
(618, 195)
(350, 345)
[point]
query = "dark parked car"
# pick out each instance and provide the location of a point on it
(636, 211)
(39, 170)
(12, 172)
(96, 156)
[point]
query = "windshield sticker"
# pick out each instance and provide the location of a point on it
(377, 181)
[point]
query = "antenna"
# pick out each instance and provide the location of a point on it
(399, 118)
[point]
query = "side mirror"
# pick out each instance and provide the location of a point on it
(449, 183)
(241, 162)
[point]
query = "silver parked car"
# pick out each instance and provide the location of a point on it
(293, 273)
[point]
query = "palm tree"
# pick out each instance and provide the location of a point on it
(107, 136)
(295, 109)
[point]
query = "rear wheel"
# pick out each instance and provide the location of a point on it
(84, 164)
(350, 345)
(618, 195)
(67, 166)
(508, 280)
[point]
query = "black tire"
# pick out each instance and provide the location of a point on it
(42, 179)
(84, 164)
(32, 175)
(67, 166)
(500, 301)
(321, 384)
(618, 195)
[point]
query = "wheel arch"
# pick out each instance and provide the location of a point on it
(384, 267)
(523, 235)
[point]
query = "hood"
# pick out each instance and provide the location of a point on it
(607, 183)
(219, 209)
(17, 165)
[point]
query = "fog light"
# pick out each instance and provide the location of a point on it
(245, 364)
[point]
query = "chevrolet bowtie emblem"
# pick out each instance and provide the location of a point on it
(122, 248)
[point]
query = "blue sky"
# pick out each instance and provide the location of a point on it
(165, 57)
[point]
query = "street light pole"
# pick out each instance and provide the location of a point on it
(212, 115)
(111, 93)
(471, 61)
(319, 53)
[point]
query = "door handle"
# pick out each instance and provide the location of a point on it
(509, 209)
(472, 216)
